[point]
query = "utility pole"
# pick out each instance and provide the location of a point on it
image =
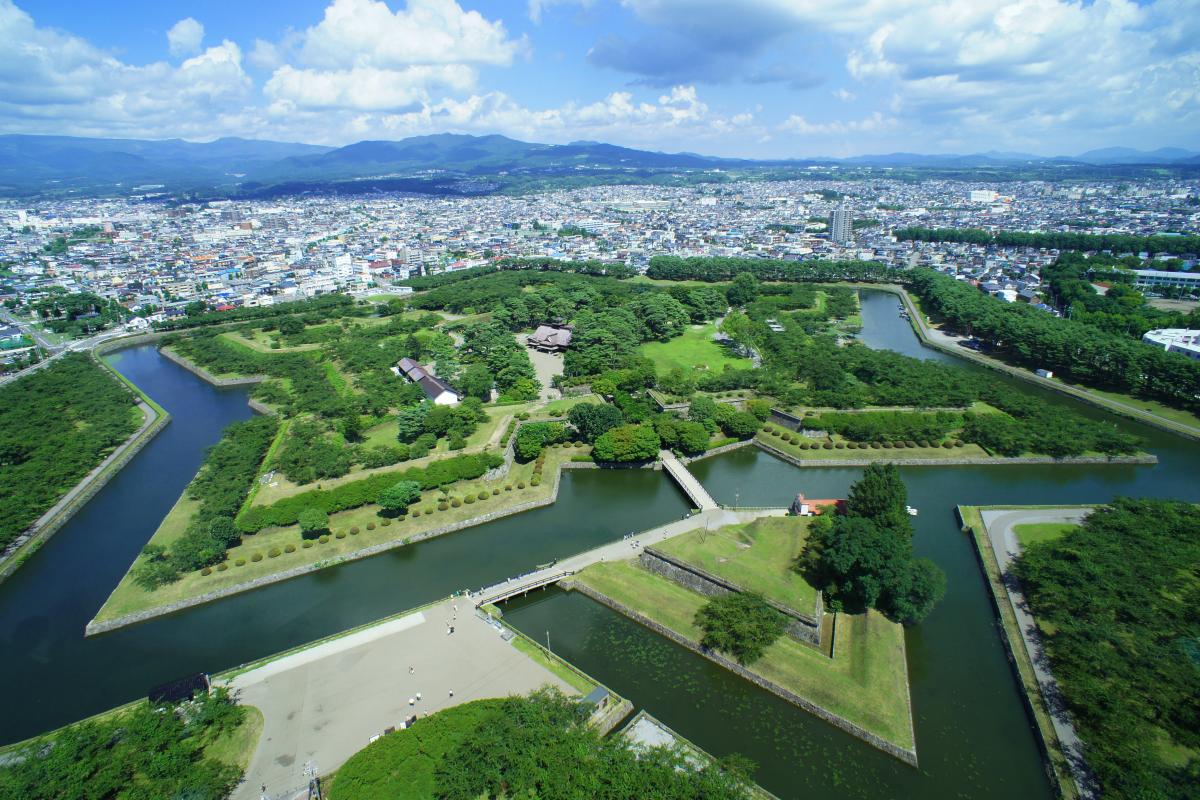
(548, 650)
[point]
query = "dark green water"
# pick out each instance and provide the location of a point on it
(973, 737)
(54, 675)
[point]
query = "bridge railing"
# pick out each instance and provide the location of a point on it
(499, 593)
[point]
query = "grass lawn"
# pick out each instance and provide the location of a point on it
(757, 556)
(1033, 533)
(869, 454)
(1158, 409)
(558, 408)
(536, 653)
(865, 684)
(238, 745)
(694, 349)
(129, 597)
(261, 341)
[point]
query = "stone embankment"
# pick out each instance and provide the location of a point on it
(908, 756)
(982, 461)
(201, 372)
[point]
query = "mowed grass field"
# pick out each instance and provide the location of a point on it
(693, 349)
(757, 556)
(1035, 532)
(866, 683)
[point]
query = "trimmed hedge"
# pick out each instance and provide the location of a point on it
(365, 491)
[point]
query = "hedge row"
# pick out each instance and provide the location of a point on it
(361, 492)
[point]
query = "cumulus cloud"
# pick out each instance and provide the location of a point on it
(185, 36)
(364, 88)
(870, 124)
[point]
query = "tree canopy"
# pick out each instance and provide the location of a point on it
(741, 624)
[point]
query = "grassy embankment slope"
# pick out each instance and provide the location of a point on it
(501, 495)
(974, 524)
(757, 556)
(865, 683)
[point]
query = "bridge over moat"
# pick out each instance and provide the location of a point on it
(687, 481)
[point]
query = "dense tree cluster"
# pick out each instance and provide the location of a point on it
(326, 306)
(495, 358)
(532, 438)
(1055, 240)
(536, 746)
(705, 268)
(1122, 309)
(354, 494)
(145, 752)
(1117, 603)
(78, 313)
(1074, 350)
(742, 624)
(219, 489)
(864, 558)
(593, 419)
(56, 425)
(627, 443)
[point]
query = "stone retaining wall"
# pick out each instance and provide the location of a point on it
(907, 756)
(248, 380)
(802, 627)
(716, 451)
(985, 461)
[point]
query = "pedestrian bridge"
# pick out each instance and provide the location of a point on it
(519, 586)
(687, 481)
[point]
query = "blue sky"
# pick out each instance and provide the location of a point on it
(758, 78)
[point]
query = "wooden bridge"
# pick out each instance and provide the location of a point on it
(521, 585)
(687, 481)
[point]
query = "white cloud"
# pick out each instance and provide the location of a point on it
(185, 36)
(538, 7)
(871, 124)
(358, 33)
(364, 88)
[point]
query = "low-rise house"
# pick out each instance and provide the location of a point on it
(551, 338)
(436, 390)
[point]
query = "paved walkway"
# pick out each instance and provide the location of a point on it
(545, 367)
(624, 549)
(687, 481)
(999, 525)
(323, 704)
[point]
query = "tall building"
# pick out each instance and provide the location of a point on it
(841, 225)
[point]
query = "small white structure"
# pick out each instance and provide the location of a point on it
(1044, 373)
(1183, 341)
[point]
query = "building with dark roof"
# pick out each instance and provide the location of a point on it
(436, 390)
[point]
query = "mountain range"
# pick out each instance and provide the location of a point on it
(75, 165)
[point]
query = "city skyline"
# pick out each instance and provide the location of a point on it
(761, 80)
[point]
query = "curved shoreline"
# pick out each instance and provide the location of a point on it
(154, 419)
(917, 321)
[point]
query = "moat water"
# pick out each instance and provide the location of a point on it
(973, 737)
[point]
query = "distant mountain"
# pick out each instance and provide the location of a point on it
(1128, 155)
(471, 154)
(451, 163)
(70, 162)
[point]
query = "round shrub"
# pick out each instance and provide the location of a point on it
(536, 480)
(958, 443)
(455, 502)
(222, 567)
(947, 445)
(923, 443)
(416, 512)
(495, 492)
(307, 543)
(911, 443)
(888, 445)
(354, 529)
(256, 557)
(241, 562)
(524, 415)
(385, 522)
(206, 571)
(483, 496)
(828, 445)
(508, 487)
(370, 526)
(900, 445)
(324, 538)
(443, 506)
(340, 534)
(289, 548)
(520, 484)
(469, 499)
(840, 445)
(274, 552)
(875, 445)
